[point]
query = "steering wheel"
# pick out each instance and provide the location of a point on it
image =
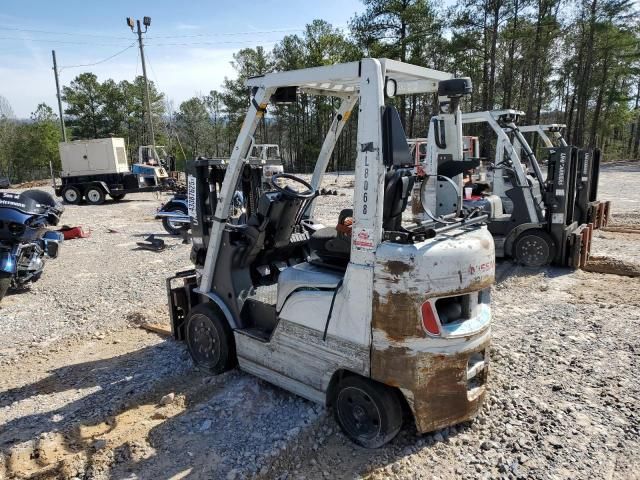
(289, 192)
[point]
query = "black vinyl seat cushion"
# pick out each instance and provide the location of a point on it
(330, 245)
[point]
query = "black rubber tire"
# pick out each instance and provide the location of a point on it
(166, 223)
(534, 248)
(94, 196)
(5, 283)
(76, 196)
(368, 412)
(210, 340)
(117, 198)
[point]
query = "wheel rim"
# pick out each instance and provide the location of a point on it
(533, 250)
(93, 196)
(71, 196)
(204, 340)
(175, 225)
(358, 413)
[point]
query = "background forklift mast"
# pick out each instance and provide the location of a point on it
(589, 209)
(550, 134)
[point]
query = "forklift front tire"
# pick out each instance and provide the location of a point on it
(118, 197)
(210, 340)
(369, 413)
(534, 248)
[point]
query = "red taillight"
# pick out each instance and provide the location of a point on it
(429, 320)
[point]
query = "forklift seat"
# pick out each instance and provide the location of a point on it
(335, 248)
(332, 246)
(398, 184)
(270, 227)
(305, 276)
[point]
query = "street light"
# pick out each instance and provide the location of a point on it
(138, 31)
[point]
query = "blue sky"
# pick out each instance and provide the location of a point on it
(190, 43)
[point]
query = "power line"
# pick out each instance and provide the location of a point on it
(61, 41)
(137, 58)
(48, 32)
(238, 42)
(170, 44)
(100, 61)
(152, 71)
(222, 34)
(158, 37)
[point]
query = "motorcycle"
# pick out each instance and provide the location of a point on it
(24, 237)
(175, 213)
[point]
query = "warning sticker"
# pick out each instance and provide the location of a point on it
(363, 239)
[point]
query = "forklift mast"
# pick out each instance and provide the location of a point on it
(204, 181)
(560, 196)
(588, 209)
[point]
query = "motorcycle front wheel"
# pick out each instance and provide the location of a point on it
(5, 283)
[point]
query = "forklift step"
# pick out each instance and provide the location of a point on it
(256, 333)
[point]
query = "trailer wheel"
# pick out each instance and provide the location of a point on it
(534, 248)
(210, 340)
(174, 228)
(94, 196)
(117, 198)
(369, 413)
(71, 195)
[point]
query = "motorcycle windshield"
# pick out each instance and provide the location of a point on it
(21, 202)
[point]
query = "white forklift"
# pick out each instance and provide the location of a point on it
(372, 317)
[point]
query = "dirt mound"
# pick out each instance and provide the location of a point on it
(613, 266)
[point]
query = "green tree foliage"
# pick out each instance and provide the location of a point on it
(34, 145)
(85, 106)
(559, 61)
(193, 122)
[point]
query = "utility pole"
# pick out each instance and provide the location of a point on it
(55, 73)
(139, 32)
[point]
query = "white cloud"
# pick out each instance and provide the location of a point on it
(25, 82)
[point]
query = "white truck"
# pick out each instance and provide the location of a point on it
(93, 169)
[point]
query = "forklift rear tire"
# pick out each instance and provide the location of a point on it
(94, 196)
(210, 340)
(534, 248)
(71, 195)
(369, 413)
(117, 198)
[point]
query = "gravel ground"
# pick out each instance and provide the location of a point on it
(96, 283)
(85, 393)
